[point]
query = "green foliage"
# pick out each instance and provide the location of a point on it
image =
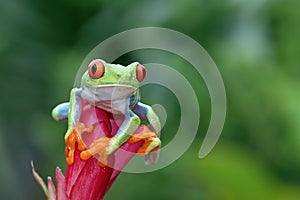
(255, 44)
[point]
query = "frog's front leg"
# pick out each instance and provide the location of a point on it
(72, 111)
(104, 146)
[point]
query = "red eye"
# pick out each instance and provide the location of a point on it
(140, 72)
(96, 69)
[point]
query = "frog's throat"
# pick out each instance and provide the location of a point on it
(113, 98)
(108, 92)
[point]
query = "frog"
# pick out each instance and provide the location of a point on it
(115, 89)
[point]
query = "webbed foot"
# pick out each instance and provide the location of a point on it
(151, 141)
(99, 147)
(73, 138)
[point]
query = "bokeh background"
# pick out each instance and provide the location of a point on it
(255, 44)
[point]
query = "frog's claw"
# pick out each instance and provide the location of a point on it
(151, 141)
(99, 147)
(73, 138)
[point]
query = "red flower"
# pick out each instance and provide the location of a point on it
(89, 179)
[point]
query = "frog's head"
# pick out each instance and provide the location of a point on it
(102, 74)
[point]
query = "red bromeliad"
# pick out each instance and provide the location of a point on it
(101, 138)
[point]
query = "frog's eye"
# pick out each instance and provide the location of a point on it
(96, 69)
(140, 72)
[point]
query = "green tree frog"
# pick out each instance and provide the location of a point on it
(113, 88)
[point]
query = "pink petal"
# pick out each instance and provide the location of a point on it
(51, 195)
(92, 181)
(61, 193)
(73, 172)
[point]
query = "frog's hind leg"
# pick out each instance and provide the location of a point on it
(145, 112)
(60, 112)
(151, 141)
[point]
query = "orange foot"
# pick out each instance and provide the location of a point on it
(73, 138)
(99, 147)
(151, 141)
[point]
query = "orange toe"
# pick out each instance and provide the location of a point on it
(84, 155)
(75, 138)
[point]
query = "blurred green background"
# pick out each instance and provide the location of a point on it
(255, 44)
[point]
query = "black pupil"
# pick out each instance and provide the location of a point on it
(94, 69)
(144, 72)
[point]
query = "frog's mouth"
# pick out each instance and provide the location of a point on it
(109, 92)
